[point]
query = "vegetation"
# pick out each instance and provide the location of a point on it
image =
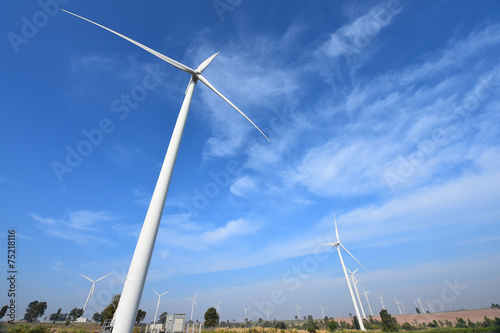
(211, 318)
(3, 311)
(34, 311)
(163, 317)
(140, 316)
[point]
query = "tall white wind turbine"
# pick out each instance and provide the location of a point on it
(368, 301)
(91, 293)
(298, 312)
(246, 309)
(397, 303)
(322, 311)
(403, 305)
(382, 301)
(421, 305)
(267, 312)
(136, 277)
(217, 307)
(337, 244)
(158, 304)
(429, 306)
(192, 305)
(355, 283)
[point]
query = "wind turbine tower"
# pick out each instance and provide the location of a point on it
(355, 283)
(298, 312)
(368, 301)
(337, 244)
(429, 306)
(91, 293)
(322, 311)
(421, 305)
(267, 311)
(217, 307)
(397, 303)
(192, 305)
(136, 277)
(246, 309)
(158, 304)
(382, 301)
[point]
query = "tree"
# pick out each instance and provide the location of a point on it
(211, 318)
(3, 311)
(55, 316)
(260, 321)
(389, 324)
(109, 311)
(355, 323)
(418, 310)
(140, 316)
(35, 309)
(75, 313)
(332, 325)
(163, 317)
(97, 317)
(280, 325)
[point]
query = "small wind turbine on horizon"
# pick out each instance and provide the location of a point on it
(397, 303)
(158, 304)
(355, 283)
(298, 312)
(267, 311)
(367, 301)
(136, 277)
(91, 293)
(246, 309)
(382, 301)
(337, 244)
(322, 311)
(192, 305)
(429, 306)
(421, 305)
(217, 307)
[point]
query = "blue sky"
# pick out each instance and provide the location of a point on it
(383, 114)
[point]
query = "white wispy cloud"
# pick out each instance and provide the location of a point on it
(81, 227)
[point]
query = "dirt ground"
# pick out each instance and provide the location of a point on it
(473, 315)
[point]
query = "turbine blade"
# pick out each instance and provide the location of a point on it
(165, 293)
(331, 244)
(205, 63)
(158, 54)
(202, 79)
(336, 230)
(352, 255)
(87, 277)
(155, 292)
(103, 277)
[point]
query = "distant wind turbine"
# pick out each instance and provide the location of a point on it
(367, 301)
(429, 306)
(246, 309)
(382, 301)
(403, 305)
(298, 312)
(158, 304)
(136, 277)
(421, 305)
(397, 303)
(217, 307)
(338, 245)
(91, 293)
(322, 311)
(267, 312)
(355, 283)
(192, 306)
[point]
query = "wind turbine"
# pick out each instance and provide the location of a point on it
(429, 306)
(397, 303)
(382, 301)
(192, 306)
(337, 244)
(267, 312)
(246, 309)
(91, 293)
(158, 304)
(217, 307)
(322, 311)
(355, 283)
(298, 312)
(403, 305)
(136, 277)
(367, 301)
(421, 305)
